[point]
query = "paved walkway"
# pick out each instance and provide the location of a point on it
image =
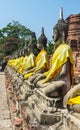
(5, 121)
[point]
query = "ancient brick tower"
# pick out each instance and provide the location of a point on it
(74, 41)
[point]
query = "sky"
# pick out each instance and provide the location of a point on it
(35, 14)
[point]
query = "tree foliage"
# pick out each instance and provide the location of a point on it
(50, 47)
(16, 30)
(13, 37)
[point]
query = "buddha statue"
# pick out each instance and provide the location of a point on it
(34, 41)
(29, 56)
(57, 81)
(41, 65)
(41, 61)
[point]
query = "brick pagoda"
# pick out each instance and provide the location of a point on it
(73, 39)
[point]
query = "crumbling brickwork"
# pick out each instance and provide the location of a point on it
(73, 39)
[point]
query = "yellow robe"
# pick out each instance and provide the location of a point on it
(28, 63)
(74, 100)
(20, 69)
(42, 61)
(18, 64)
(13, 62)
(60, 56)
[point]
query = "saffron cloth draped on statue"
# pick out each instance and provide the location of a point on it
(29, 62)
(60, 56)
(42, 61)
(74, 100)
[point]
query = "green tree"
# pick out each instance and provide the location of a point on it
(16, 30)
(50, 47)
(14, 36)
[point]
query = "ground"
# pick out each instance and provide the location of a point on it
(5, 120)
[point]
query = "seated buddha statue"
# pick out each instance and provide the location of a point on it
(58, 79)
(41, 65)
(29, 58)
(41, 61)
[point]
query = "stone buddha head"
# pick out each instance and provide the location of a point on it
(42, 40)
(32, 44)
(60, 29)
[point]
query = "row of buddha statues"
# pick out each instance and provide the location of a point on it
(37, 78)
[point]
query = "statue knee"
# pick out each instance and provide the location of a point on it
(55, 89)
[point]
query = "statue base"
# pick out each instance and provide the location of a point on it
(45, 109)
